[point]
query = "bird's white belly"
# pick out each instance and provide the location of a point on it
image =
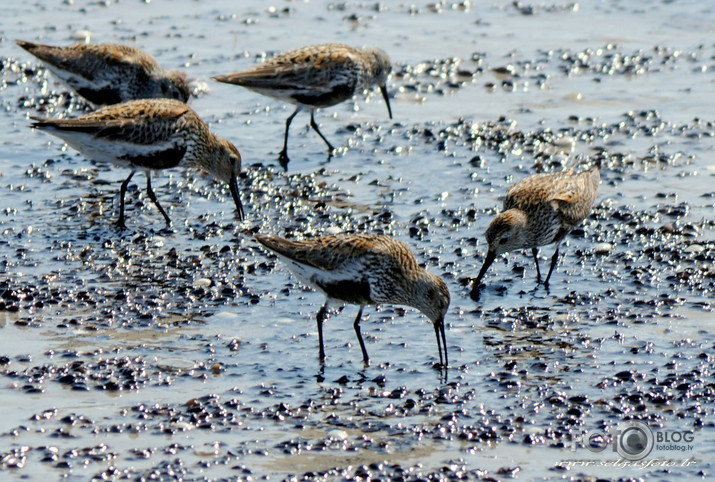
(112, 151)
(315, 277)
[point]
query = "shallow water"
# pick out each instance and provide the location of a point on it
(190, 353)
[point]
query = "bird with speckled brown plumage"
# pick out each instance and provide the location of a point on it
(106, 74)
(316, 76)
(540, 210)
(149, 134)
(364, 269)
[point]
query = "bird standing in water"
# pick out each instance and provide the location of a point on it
(107, 74)
(316, 76)
(540, 210)
(149, 134)
(364, 269)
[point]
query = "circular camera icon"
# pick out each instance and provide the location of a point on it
(634, 440)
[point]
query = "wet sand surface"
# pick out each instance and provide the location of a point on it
(189, 353)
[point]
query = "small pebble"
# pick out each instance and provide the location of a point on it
(202, 283)
(182, 426)
(603, 248)
(505, 70)
(667, 228)
(564, 143)
(82, 36)
(338, 434)
(694, 248)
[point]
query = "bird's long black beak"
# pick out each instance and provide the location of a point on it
(233, 186)
(441, 341)
(491, 255)
(383, 89)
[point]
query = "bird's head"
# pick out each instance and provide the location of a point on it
(507, 231)
(380, 64)
(224, 163)
(380, 69)
(432, 297)
(175, 85)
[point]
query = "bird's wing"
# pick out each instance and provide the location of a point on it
(575, 196)
(305, 70)
(49, 53)
(92, 69)
(530, 191)
(565, 197)
(125, 55)
(329, 254)
(120, 123)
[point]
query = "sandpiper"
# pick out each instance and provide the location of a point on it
(540, 210)
(316, 76)
(364, 269)
(107, 74)
(149, 134)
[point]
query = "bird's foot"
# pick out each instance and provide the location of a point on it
(283, 159)
(442, 368)
(476, 290)
(167, 230)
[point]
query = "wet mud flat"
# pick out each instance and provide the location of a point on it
(190, 353)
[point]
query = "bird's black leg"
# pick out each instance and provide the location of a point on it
(554, 260)
(314, 125)
(283, 156)
(152, 196)
(535, 252)
(122, 192)
(356, 325)
(321, 317)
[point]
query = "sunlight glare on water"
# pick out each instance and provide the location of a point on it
(191, 352)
